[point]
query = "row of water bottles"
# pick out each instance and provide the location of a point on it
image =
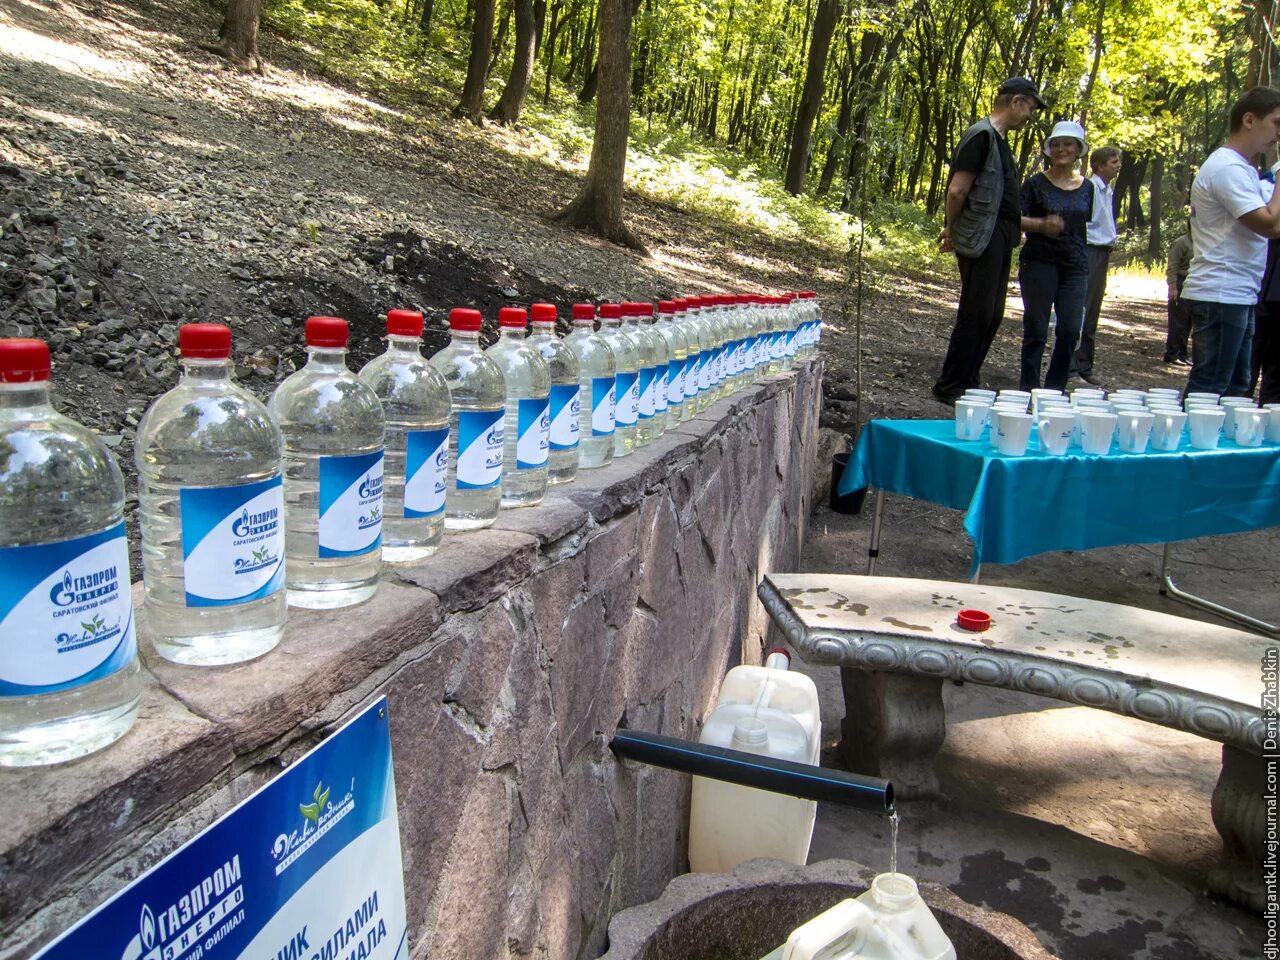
(247, 507)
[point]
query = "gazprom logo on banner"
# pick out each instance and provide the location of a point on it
(318, 818)
(255, 524)
(370, 487)
(70, 590)
(195, 921)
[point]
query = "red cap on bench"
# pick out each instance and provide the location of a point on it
(974, 619)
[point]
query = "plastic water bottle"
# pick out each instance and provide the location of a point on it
(333, 434)
(677, 357)
(477, 397)
(626, 391)
(415, 403)
(597, 372)
(759, 337)
(792, 313)
(527, 427)
(649, 322)
(707, 337)
(69, 675)
(777, 336)
(566, 394)
(693, 357)
(211, 508)
(652, 375)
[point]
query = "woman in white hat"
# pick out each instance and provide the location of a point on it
(1053, 268)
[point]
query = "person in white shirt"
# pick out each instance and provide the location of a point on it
(1100, 237)
(1233, 213)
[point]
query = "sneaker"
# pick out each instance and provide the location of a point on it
(1090, 378)
(1183, 362)
(948, 399)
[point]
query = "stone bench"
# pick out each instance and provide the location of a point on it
(896, 641)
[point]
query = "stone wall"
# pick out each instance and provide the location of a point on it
(508, 659)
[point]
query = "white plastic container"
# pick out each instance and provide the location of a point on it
(771, 712)
(888, 922)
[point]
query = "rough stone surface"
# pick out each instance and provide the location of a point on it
(508, 660)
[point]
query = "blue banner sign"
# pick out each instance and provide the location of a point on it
(308, 868)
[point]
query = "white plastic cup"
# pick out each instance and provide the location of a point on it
(1133, 430)
(974, 393)
(1166, 429)
(1231, 404)
(1211, 397)
(1205, 426)
(1171, 393)
(1273, 422)
(971, 419)
(1015, 396)
(1096, 429)
(1055, 429)
(1012, 432)
(1250, 426)
(1088, 393)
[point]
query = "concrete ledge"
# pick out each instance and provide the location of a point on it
(508, 660)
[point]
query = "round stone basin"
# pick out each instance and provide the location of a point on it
(745, 914)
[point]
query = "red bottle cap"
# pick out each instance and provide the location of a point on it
(643, 308)
(205, 341)
(976, 620)
(404, 323)
(584, 311)
(326, 332)
(782, 650)
(610, 311)
(666, 306)
(461, 318)
(543, 312)
(23, 360)
(514, 317)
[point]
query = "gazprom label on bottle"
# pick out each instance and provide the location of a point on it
(675, 382)
(426, 459)
(232, 542)
(645, 389)
(65, 613)
(602, 406)
(566, 416)
(624, 390)
(480, 437)
(533, 442)
(350, 504)
(660, 388)
(692, 364)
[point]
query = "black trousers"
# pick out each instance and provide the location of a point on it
(984, 284)
(1266, 353)
(1179, 331)
(1094, 292)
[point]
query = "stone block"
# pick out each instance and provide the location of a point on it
(319, 659)
(472, 569)
(557, 589)
(549, 522)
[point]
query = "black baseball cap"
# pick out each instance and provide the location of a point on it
(1022, 87)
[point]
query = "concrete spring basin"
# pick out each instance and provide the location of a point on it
(744, 914)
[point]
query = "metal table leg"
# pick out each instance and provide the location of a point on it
(873, 550)
(1171, 589)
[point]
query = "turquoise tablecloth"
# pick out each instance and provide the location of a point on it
(1020, 506)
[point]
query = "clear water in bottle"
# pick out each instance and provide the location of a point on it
(693, 358)
(677, 356)
(527, 426)
(415, 404)
(597, 373)
(626, 388)
(477, 397)
(211, 512)
(707, 364)
(662, 358)
(566, 394)
(333, 435)
(69, 674)
(651, 352)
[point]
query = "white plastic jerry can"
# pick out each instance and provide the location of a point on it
(772, 712)
(888, 922)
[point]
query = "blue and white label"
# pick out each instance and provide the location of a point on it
(779, 348)
(675, 382)
(426, 460)
(692, 364)
(533, 437)
(660, 388)
(232, 542)
(66, 618)
(627, 398)
(602, 406)
(308, 867)
(350, 504)
(566, 416)
(704, 370)
(646, 407)
(480, 438)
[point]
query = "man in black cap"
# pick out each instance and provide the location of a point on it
(982, 226)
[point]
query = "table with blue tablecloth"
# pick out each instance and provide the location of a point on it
(1016, 507)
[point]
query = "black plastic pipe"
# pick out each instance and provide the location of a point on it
(751, 770)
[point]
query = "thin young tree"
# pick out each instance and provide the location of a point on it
(511, 103)
(471, 105)
(598, 206)
(824, 26)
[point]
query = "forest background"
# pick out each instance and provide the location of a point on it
(790, 115)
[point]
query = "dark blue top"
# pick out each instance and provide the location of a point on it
(1040, 198)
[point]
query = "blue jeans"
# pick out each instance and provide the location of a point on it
(1221, 342)
(1050, 287)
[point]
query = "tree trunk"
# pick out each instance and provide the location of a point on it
(424, 20)
(500, 38)
(1154, 240)
(599, 206)
(238, 35)
(471, 105)
(824, 25)
(507, 110)
(588, 91)
(1086, 98)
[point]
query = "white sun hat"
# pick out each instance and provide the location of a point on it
(1067, 128)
